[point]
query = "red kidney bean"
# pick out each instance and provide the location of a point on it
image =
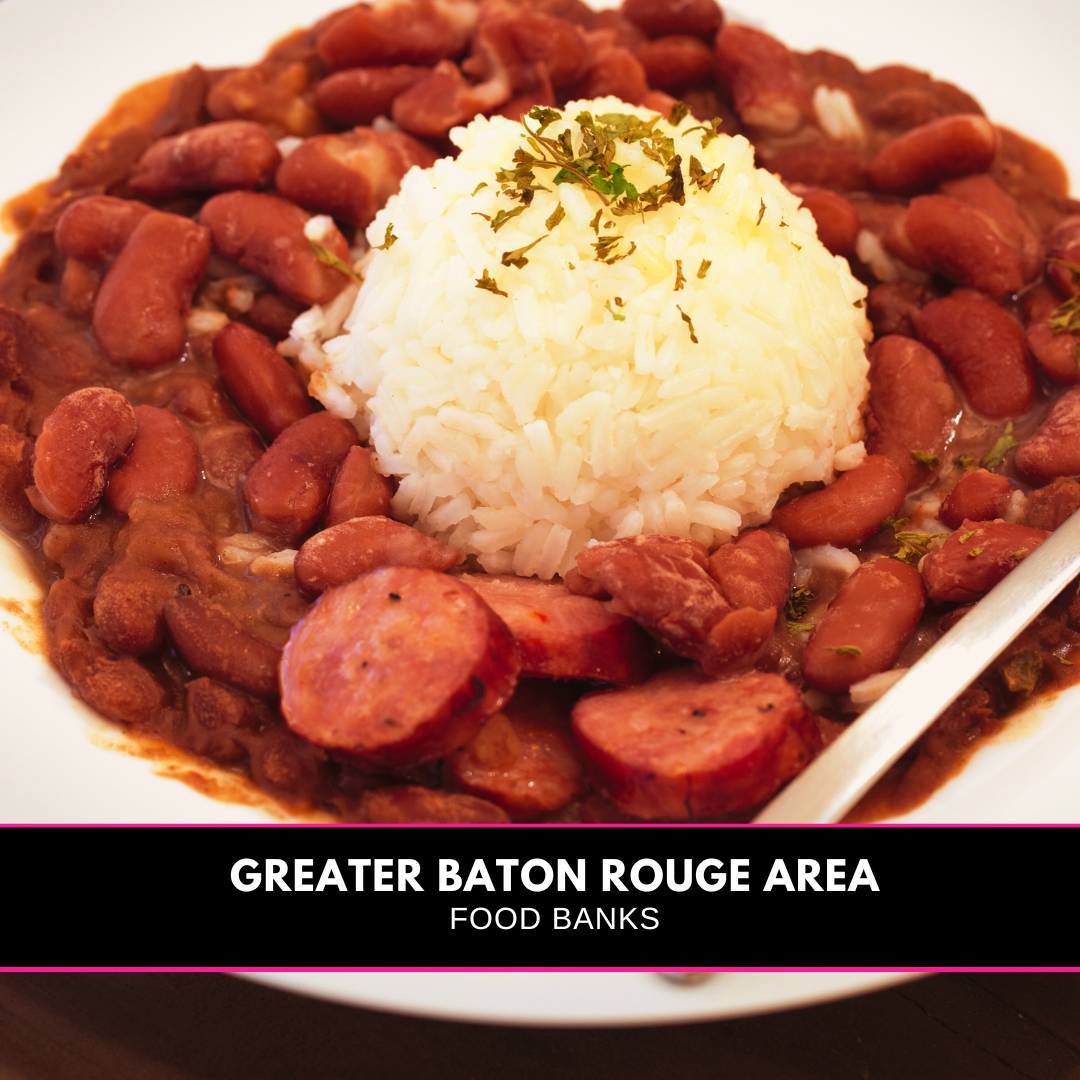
(217, 718)
(524, 758)
(736, 641)
(259, 380)
(350, 176)
(892, 306)
(189, 396)
(984, 348)
(266, 234)
(398, 32)
(683, 746)
(228, 452)
(977, 496)
(1063, 242)
(141, 305)
(847, 512)
(836, 219)
(889, 77)
(1058, 355)
(344, 552)
(348, 685)
(119, 688)
(615, 72)
(359, 489)
(875, 612)
(838, 168)
(16, 475)
(1054, 450)
(976, 557)
(985, 194)
(407, 805)
(161, 462)
(661, 102)
(516, 49)
(753, 571)
(563, 636)
(213, 643)
(438, 102)
(911, 406)
(1051, 506)
(962, 243)
(766, 83)
(272, 92)
(95, 229)
(78, 288)
(657, 18)
(128, 607)
(224, 156)
(273, 314)
(905, 108)
(918, 159)
(86, 432)
(675, 62)
(358, 95)
(287, 488)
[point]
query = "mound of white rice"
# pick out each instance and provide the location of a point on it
(578, 407)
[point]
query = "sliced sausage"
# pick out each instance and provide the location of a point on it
(161, 462)
(684, 746)
(563, 636)
(86, 432)
(343, 552)
(847, 512)
(984, 347)
(976, 557)
(352, 682)
(866, 626)
(911, 406)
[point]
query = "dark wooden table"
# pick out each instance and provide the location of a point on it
(119, 1026)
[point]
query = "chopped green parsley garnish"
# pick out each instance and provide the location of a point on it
(686, 319)
(1066, 318)
(680, 280)
(996, 454)
(324, 255)
(966, 462)
(761, 212)
(1021, 672)
(388, 240)
(924, 457)
(703, 269)
(679, 112)
(845, 650)
(489, 283)
(614, 314)
(913, 546)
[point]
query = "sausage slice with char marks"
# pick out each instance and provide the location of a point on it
(352, 678)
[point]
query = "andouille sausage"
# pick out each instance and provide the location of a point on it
(351, 682)
(683, 745)
(911, 406)
(563, 636)
(344, 552)
(161, 462)
(86, 432)
(866, 626)
(847, 512)
(976, 557)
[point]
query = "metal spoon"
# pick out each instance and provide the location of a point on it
(836, 780)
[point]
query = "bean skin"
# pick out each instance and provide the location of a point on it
(976, 557)
(837, 168)
(434, 104)
(94, 230)
(918, 159)
(419, 32)
(348, 685)
(977, 496)
(161, 462)
(835, 217)
(675, 62)
(753, 571)
(875, 611)
(685, 746)
(86, 432)
(657, 18)
(1063, 242)
(358, 95)
(892, 306)
(962, 243)
(847, 512)
(1058, 355)
(214, 644)
(359, 489)
(616, 72)
(911, 405)
(764, 78)
(128, 607)
(350, 176)
(229, 155)
(266, 234)
(141, 305)
(287, 488)
(259, 380)
(343, 552)
(228, 452)
(985, 350)
(272, 92)
(1054, 450)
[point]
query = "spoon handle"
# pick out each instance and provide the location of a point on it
(842, 774)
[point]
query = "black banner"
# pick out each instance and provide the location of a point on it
(536, 897)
